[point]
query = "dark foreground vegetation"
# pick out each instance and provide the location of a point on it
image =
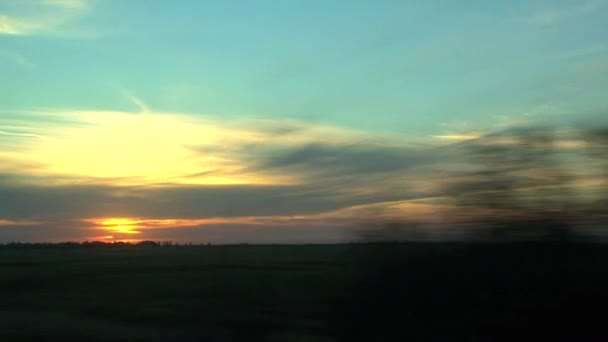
(517, 291)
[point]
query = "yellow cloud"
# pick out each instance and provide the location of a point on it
(146, 148)
(135, 226)
(4, 222)
(153, 147)
(10, 26)
(571, 144)
(457, 137)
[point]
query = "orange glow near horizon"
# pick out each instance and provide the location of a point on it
(125, 229)
(119, 225)
(135, 225)
(112, 238)
(128, 229)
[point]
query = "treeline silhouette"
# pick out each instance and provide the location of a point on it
(144, 243)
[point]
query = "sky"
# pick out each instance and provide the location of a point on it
(270, 121)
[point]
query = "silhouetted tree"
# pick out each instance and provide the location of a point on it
(148, 243)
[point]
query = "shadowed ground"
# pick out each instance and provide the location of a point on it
(407, 291)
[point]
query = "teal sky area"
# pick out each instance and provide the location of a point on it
(407, 67)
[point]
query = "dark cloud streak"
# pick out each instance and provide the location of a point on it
(79, 201)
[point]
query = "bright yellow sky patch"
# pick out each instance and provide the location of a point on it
(457, 137)
(158, 148)
(119, 225)
(135, 225)
(142, 149)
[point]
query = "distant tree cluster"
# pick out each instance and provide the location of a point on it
(144, 243)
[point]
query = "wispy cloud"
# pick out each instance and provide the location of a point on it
(552, 16)
(17, 59)
(68, 4)
(10, 25)
(457, 137)
(140, 104)
(18, 134)
(137, 101)
(40, 17)
(4, 222)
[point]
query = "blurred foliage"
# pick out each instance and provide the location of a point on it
(537, 182)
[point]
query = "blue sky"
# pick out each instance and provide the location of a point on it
(389, 65)
(381, 72)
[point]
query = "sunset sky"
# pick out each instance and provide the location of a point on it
(270, 121)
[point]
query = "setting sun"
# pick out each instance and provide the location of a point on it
(119, 225)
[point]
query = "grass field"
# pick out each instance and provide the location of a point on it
(418, 292)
